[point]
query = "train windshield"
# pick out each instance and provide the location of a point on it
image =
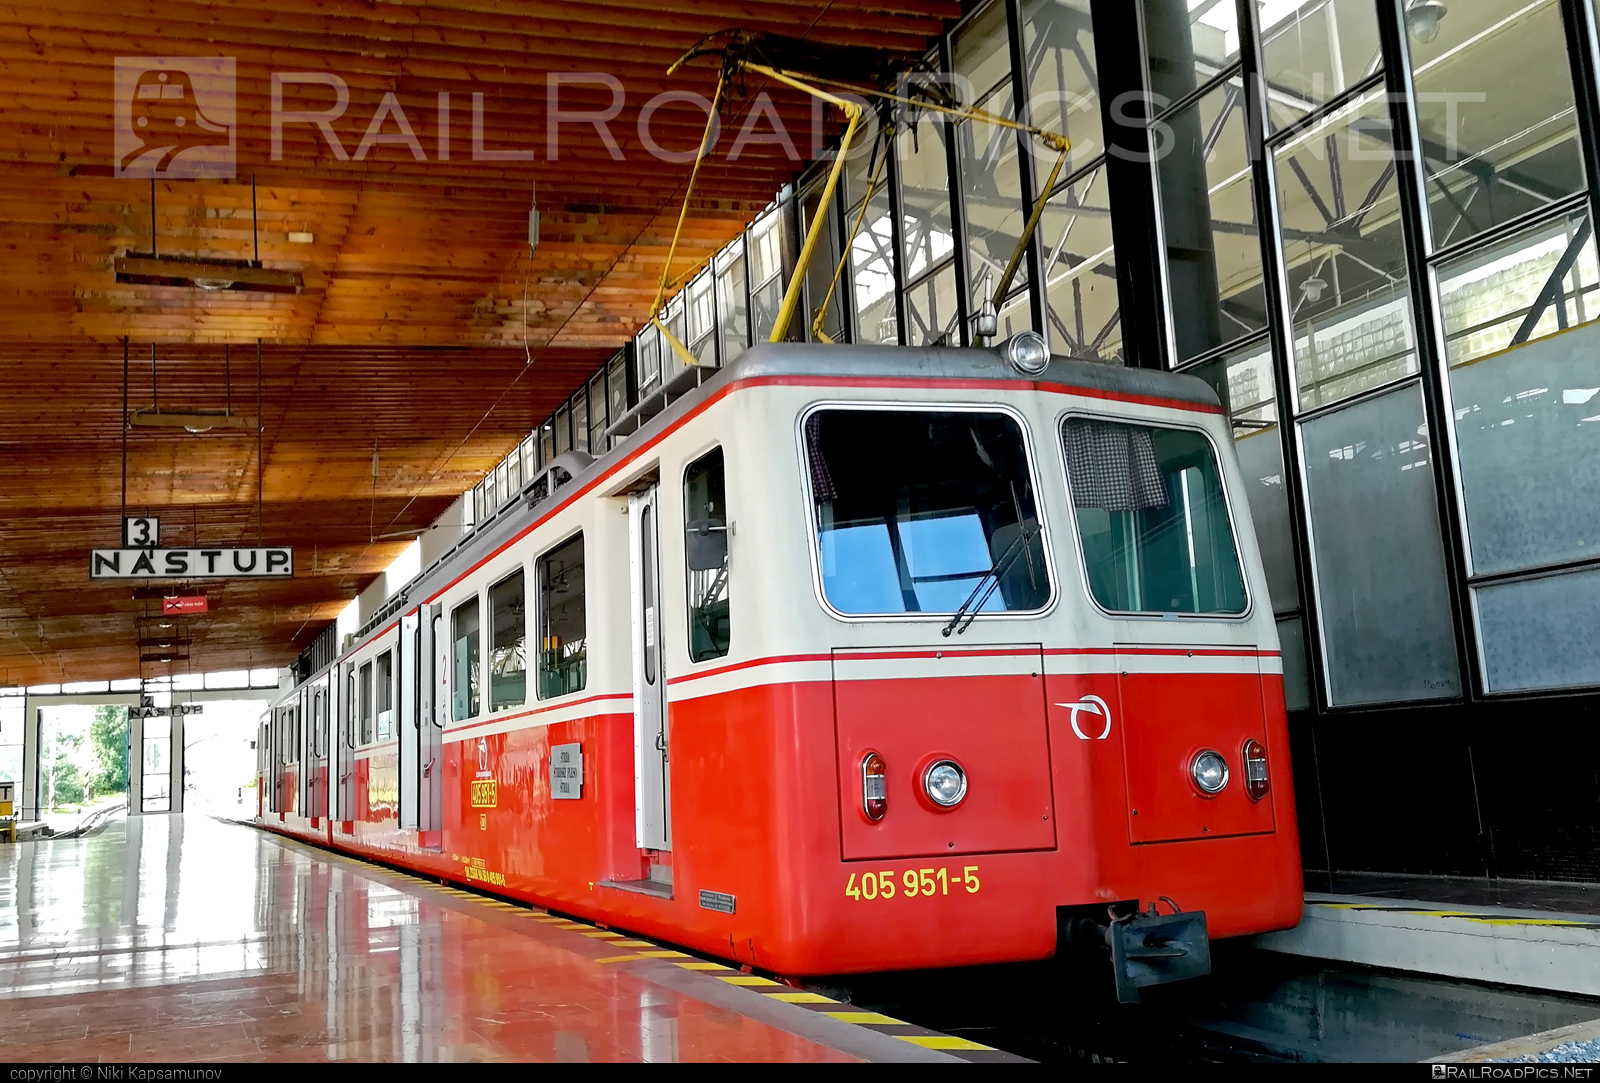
(917, 511)
(1152, 519)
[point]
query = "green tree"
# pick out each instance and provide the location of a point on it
(66, 778)
(108, 734)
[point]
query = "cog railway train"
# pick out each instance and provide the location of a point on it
(852, 659)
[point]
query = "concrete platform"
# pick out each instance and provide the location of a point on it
(182, 939)
(1530, 948)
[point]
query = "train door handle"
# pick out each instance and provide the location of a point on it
(427, 769)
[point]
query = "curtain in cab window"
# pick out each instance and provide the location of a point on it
(1152, 519)
(921, 511)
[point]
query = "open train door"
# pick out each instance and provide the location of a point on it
(652, 791)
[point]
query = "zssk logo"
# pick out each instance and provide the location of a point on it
(175, 116)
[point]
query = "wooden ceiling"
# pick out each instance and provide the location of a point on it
(424, 332)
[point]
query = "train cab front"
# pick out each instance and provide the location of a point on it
(1057, 694)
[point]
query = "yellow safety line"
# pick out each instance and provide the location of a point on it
(864, 1017)
(940, 1041)
(801, 998)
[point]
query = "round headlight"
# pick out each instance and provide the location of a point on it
(1210, 771)
(1026, 352)
(945, 783)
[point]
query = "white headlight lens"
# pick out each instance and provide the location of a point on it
(945, 783)
(1210, 771)
(1026, 352)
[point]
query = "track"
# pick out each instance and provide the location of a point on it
(1257, 1006)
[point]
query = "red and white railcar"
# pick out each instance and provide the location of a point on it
(851, 659)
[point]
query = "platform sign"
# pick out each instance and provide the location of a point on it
(566, 772)
(150, 710)
(184, 603)
(261, 562)
(142, 532)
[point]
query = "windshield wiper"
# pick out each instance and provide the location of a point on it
(963, 618)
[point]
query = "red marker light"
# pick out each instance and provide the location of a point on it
(1255, 770)
(874, 787)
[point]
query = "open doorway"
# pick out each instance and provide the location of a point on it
(83, 761)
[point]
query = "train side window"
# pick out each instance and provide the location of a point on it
(364, 698)
(922, 511)
(383, 687)
(464, 660)
(1152, 519)
(508, 667)
(347, 724)
(705, 512)
(563, 658)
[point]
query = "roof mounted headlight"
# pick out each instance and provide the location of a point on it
(1026, 352)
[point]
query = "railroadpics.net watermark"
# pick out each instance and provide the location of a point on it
(177, 117)
(1512, 1071)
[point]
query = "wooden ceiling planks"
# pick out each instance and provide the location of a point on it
(420, 304)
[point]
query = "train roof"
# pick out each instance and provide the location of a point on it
(775, 361)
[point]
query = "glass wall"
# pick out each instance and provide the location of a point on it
(1426, 286)
(1395, 295)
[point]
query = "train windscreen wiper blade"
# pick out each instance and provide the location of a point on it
(962, 619)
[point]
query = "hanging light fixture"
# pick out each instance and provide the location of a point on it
(1422, 19)
(203, 273)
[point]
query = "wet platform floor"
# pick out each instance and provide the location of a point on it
(181, 938)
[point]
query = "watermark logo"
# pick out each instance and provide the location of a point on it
(175, 116)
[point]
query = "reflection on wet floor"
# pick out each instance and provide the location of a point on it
(181, 938)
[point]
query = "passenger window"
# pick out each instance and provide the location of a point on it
(508, 667)
(563, 662)
(347, 722)
(464, 660)
(364, 697)
(384, 687)
(925, 512)
(706, 551)
(1152, 519)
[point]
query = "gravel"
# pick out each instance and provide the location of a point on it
(1569, 1053)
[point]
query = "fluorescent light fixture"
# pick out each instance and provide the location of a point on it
(193, 272)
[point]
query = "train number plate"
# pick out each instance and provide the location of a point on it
(913, 883)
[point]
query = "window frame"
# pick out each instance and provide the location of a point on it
(366, 702)
(388, 653)
(487, 657)
(1245, 570)
(688, 575)
(923, 407)
(541, 615)
(453, 613)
